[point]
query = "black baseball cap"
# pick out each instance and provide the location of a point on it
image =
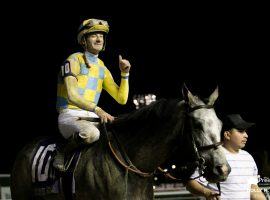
(236, 121)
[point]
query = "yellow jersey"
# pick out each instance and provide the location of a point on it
(91, 81)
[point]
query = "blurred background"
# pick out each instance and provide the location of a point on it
(166, 44)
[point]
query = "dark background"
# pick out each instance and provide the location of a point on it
(166, 44)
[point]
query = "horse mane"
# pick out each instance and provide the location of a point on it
(156, 112)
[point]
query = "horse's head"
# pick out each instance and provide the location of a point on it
(205, 128)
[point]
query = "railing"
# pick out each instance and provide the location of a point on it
(5, 187)
(163, 191)
(172, 191)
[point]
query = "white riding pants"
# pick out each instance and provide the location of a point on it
(69, 123)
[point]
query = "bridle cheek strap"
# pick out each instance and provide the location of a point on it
(211, 146)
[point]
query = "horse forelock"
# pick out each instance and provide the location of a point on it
(210, 123)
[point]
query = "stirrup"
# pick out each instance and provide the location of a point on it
(59, 162)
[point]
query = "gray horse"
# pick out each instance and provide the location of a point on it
(138, 144)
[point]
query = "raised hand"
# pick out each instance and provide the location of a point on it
(124, 64)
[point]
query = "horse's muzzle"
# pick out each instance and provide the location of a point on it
(223, 170)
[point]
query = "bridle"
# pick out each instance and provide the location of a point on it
(198, 149)
(199, 160)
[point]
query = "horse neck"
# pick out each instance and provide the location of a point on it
(151, 144)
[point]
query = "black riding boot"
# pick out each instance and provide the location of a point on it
(59, 160)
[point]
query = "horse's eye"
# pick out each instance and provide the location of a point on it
(197, 125)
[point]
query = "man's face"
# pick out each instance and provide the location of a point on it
(95, 42)
(237, 138)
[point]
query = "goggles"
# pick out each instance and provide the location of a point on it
(91, 23)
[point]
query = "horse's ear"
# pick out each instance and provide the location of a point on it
(185, 92)
(213, 97)
(188, 96)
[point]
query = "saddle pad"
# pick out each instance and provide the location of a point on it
(45, 178)
(43, 173)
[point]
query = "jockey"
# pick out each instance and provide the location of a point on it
(81, 80)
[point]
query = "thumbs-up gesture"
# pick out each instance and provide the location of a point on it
(124, 64)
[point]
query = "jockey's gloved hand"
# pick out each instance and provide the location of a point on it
(124, 65)
(104, 117)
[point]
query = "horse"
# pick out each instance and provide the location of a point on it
(121, 164)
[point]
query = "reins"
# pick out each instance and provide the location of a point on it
(130, 166)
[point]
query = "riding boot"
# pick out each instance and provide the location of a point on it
(59, 160)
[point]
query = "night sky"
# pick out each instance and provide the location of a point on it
(166, 47)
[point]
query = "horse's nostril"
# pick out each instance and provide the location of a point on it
(222, 169)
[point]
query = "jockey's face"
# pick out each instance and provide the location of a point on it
(94, 42)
